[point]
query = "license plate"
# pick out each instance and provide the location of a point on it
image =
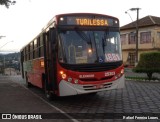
(99, 86)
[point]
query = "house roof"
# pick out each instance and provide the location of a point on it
(143, 22)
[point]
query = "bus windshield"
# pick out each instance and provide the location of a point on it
(92, 46)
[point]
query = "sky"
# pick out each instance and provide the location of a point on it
(24, 20)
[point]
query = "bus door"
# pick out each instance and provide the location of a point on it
(21, 64)
(50, 60)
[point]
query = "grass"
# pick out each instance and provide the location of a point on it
(142, 78)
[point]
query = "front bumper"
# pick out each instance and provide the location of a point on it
(67, 88)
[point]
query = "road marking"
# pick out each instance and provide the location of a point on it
(61, 111)
(3, 82)
(3, 79)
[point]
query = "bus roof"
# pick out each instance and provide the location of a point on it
(54, 21)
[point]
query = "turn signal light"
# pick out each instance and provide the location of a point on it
(61, 72)
(119, 74)
(63, 75)
(122, 71)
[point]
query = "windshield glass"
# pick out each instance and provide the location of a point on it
(83, 47)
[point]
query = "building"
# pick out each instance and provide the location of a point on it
(10, 71)
(148, 38)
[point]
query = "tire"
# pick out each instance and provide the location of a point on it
(49, 95)
(28, 84)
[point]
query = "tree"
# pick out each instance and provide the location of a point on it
(149, 63)
(7, 3)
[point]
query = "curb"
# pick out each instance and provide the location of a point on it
(153, 81)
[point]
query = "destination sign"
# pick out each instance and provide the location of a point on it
(89, 20)
(92, 22)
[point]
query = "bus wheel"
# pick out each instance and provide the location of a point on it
(28, 84)
(49, 95)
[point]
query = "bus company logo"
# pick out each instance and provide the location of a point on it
(6, 116)
(86, 76)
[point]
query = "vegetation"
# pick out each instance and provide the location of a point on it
(9, 61)
(7, 3)
(149, 63)
(10, 56)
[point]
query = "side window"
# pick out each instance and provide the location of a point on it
(28, 52)
(123, 39)
(31, 50)
(35, 49)
(41, 50)
(145, 37)
(158, 36)
(38, 46)
(132, 38)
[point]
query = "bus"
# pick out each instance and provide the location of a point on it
(76, 53)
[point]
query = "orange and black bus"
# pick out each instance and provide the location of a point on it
(76, 53)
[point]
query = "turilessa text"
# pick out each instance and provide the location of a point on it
(92, 22)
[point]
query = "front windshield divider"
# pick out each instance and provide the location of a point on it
(95, 47)
(62, 47)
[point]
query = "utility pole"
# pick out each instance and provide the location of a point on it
(136, 57)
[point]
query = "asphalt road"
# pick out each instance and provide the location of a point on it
(17, 101)
(137, 99)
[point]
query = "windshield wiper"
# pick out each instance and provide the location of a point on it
(104, 43)
(83, 36)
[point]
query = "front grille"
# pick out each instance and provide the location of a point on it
(94, 79)
(96, 87)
